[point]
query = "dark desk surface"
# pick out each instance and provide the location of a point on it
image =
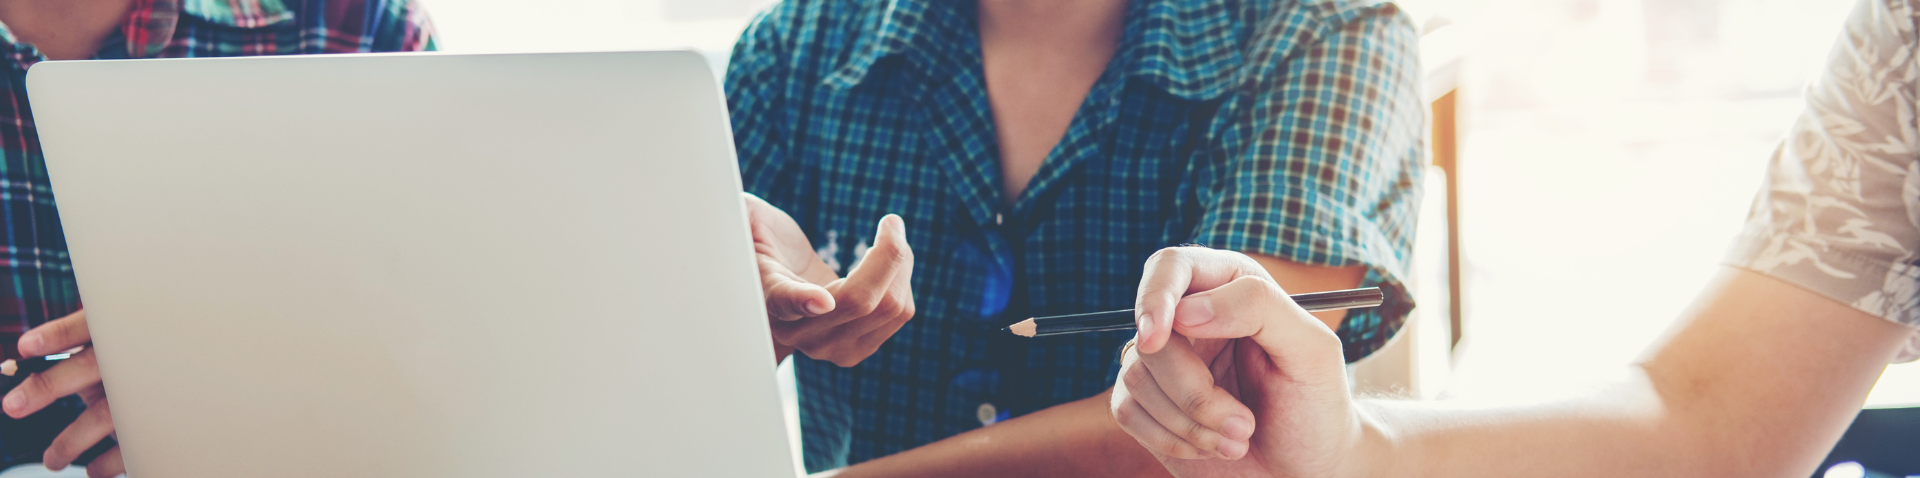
(1883, 439)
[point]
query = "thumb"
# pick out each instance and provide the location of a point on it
(886, 260)
(1255, 307)
(891, 234)
(790, 297)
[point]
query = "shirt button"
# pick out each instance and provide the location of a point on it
(987, 414)
(997, 220)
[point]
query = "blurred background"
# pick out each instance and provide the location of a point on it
(1608, 153)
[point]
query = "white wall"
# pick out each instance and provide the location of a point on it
(504, 26)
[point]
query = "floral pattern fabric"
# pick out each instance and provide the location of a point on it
(1840, 211)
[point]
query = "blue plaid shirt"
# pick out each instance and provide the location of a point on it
(1288, 128)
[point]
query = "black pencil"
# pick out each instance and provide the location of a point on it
(23, 367)
(1124, 319)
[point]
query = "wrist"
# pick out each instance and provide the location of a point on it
(1374, 449)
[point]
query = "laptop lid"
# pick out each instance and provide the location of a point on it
(415, 265)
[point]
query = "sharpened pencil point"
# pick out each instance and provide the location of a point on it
(1024, 328)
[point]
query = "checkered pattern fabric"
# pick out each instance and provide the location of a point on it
(37, 284)
(1290, 128)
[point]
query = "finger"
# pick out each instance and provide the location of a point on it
(93, 394)
(68, 377)
(1152, 390)
(849, 343)
(837, 330)
(107, 465)
(788, 296)
(869, 343)
(57, 335)
(1188, 387)
(866, 287)
(883, 264)
(871, 298)
(1257, 308)
(1175, 272)
(1164, 281)
(782, 246)
(88, 429)
(1151, 435)
(893, 313)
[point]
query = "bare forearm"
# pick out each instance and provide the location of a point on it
(1073, 439)
(1612, 432)
(1759, 379)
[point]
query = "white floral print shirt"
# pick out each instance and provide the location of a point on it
(1840, 211)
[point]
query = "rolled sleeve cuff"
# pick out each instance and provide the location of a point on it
(1884, 288)
(1323, 236)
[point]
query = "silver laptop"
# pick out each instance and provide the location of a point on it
(415, 265)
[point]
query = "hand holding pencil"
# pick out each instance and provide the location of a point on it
(1124, 319)
(29, 366)
(45, 377)
(1216, 374)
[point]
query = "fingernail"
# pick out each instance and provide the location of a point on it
(1232, 450)
(31, 344)
(1194, 310)
(1237, 428)
(12, 403)
(1144, 328)
(816, 307)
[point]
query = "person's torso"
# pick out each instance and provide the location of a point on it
(898, 122)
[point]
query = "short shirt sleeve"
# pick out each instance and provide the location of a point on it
(1327, 158)
(1839, 213)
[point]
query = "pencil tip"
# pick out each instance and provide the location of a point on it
(1024, 328)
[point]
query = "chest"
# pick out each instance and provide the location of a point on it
(1035, 94)
(949, 140)
(1122, 180)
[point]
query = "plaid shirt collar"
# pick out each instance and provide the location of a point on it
(1187, 48)
(150, 24)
